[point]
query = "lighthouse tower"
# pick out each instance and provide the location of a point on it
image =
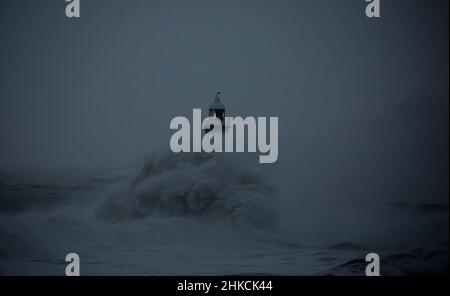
(217, 109)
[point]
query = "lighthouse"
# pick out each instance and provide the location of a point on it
(217, 109)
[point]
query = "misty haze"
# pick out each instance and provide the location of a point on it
(85, 158)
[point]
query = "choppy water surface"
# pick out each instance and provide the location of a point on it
(187, 215)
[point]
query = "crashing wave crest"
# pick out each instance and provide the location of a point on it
(191, 184)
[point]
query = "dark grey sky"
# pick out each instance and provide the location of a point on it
(101, 90)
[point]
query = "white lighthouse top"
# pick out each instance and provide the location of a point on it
(217, 104)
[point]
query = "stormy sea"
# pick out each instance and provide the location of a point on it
(203, 214)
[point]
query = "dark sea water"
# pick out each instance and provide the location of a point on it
(182, 216)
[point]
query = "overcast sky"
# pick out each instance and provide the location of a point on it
(101, 90)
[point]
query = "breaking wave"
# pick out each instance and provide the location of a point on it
(197, 185)
(203, 214)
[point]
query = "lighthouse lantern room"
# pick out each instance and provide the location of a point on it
(217, 109)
